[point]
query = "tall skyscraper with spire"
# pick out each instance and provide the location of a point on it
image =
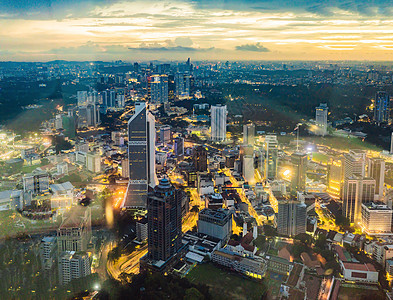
(141, 157)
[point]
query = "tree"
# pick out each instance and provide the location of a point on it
(305, 238)
(343, 223)
(269, 230)
(193, 294)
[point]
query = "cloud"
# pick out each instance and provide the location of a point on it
(252, 47)
(180, 44)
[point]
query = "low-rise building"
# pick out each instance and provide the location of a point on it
(376, 218)
(359, 272)
(216, 223)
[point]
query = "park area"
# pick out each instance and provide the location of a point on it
(225, 284)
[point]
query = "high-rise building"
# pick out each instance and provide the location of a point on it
(376, 218)
(159, 88)
(218, 122)
(74, 233)
(248, 169)
(270, 157)
(183, 85)
(215, 223)
(376, 170)
(391, 143)
(164, 221)
(141, 156)
(299, 163)
(48, 252)
(334, 176)
(381, 107)
(199, 158)
(141, 230)
(165, 134)
(93, 162)
(36, 182)
(249, 134)
(178, 147)
(73, 265)
(354, 163)
(291, 217)
(356, 190)
(321, 113)
(82, 97)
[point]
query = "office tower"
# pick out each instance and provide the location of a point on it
(178, 147)
(376, 218)
(248, 169)
(356, 190)
(82, 97)
(112, 99)
(164, 221)
(299, 163)
(74, 233)
(215, 223)
(48, 252)
(104, 99)
(183, 85)
(218, 122)
(36, 182)
(376, 170)
(354, 163)
(199, 158)
(159, 88)
(321, 113)
(291, 217)
(381, 107)
(59, 122)
(249, 134)
(92, 115)
(270, 157)
(141, 156)
(334, 176)
(93, 162)
(73, 265)
(165, 134)
(125, 168)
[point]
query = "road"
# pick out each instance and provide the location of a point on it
(243, 197)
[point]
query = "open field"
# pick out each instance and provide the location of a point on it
(225, 284)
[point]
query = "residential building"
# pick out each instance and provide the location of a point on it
(354, 163)
(36, 182)
(381, 107)
(159, 88)
(48, 252)
(218, 122)
(141, 230)
(291, 217)
(93, 162)
(73, 265)
(74, 233)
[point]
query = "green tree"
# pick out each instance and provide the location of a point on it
(193, 294)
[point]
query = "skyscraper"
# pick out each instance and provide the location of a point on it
(376, 170)
(321, 113)
(381, 107)
(141, 155)
(354, 163)
(249, 134)
(183, 85)
(218, 122)
(356, 190)
(178, 146)
(164, 221)
(248, 169)
(299, 162)
(291, 217)
(199, 158)
(270, 157)
(334, 176)
(159, 88)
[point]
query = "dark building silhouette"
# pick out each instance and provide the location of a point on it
(164, 221)
(199, 158)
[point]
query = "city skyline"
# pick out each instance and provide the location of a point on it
(174, 30)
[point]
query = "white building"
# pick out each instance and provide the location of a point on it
(376, 218)
(248, 169)
(93, 162)
(218, 123)
(359, 272)
(73, 265)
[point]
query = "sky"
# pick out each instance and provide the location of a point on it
(44, 30)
